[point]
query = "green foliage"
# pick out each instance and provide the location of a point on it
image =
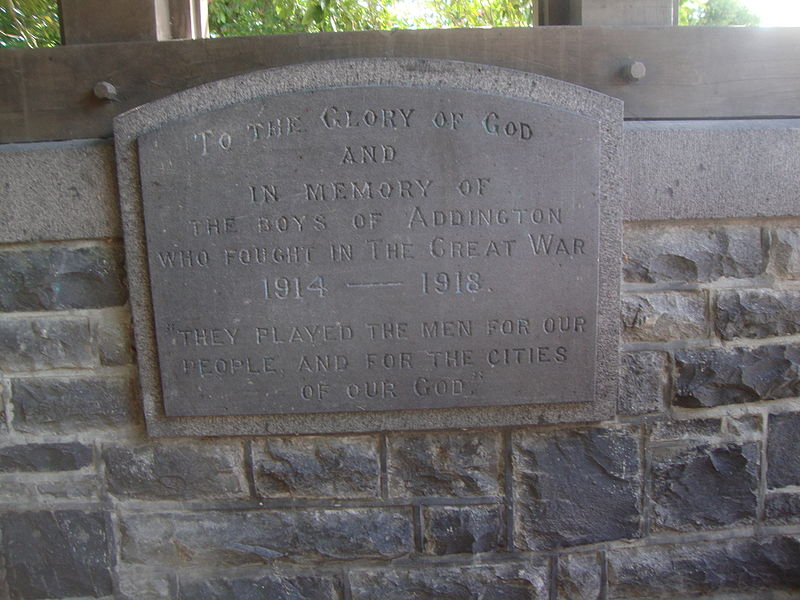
(31, 23)
(715, 12)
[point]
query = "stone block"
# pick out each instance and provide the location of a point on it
(784, 255)
(655, 253)
(782, 507)
(498, 582)
(720, 376)
(273, 586)
(643, 380)
(62, 277)
(579, 577)
(137, 583)
(463, 529)
(575, 487)
(444, 464)
(176, 471)
(317, 467)
(209, 538)
(680, 570)
(113, 331)
(663, 316)
(46, 343)
(57, 554)
(783, 442)
(758, 313)
(688, 429)
(45, 457)
(704, 487)
(67, 405)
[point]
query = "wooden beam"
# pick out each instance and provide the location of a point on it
(691, 72)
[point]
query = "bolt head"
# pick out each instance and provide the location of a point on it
(634, 71)
(105, 90)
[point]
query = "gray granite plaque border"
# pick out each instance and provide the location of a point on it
(411, 73)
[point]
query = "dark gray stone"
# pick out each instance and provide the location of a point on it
(783, 443)
(785, 252)
(704, 487)
(66, 405)
(757, 313)
(62, 277)
(317, 467)
(45, 457)
(579, 577)
(143, 583)
(113, 332)
(655, 253)
(576, 487)
(444, 464)
(663, 316)
(463, 529)
(782, 507)
(737, 565)
(643, 380)
(46, 343)
(57, 554)
(277, 586)
(496, 582)
(715, 377)
(209, 538)
(178, 471)
(690, 429)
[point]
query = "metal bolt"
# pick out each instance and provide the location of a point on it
(634, 71)
(105, 90)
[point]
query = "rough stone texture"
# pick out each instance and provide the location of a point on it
(643, 380)
(687, 254)
(274, 586)
(502, 582)
(463, 529)
(744, 426)
(317, 467)
(783, 450)
(46, 343)
(61, 277)
(185, 470)
(783, 507)
(785, 252)
(113, 331)
(444, 464)
(208, 538)
(579, 577)
(45, 457)
(757, 313)
(694, 429)
(66, 405)
(575, 487)
(18, 494)
(56, 554)
(663, 316)
(705, 567)
(704, 487)
(143, 584)
(719, 376)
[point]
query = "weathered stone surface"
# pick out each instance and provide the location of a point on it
(208, 538)
(705, 567)
(274, 586)
(757, 313)
(579, 577)
(65, 405)
(719, 376)
(46, 343)
(444, 464)
(113, 330)
(785, 252)
(643, 380)
(24, 494)
(45, 457)
(317, 467)
(744, 425)
(783, 507)
(654, 253)
(575, 487)
(137, 583)
(498, 582)
(663, 316)
(185, 470)
(62, 277)
(783, 443)
(463, 529)
(690, 429)
(58, 554)
(704, 487)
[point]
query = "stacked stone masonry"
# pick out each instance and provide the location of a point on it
(693, 491)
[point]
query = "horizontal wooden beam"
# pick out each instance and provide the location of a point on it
(46, 94)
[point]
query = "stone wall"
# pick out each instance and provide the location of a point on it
(693, 491)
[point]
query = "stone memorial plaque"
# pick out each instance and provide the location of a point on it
(372, 248)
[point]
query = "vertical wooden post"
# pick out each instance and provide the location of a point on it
(657, 13)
